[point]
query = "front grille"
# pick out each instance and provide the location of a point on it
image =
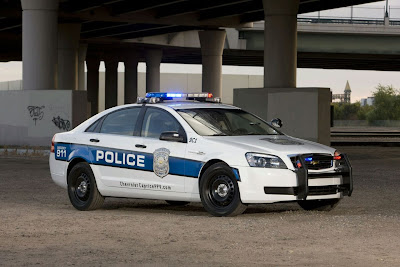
(324, 190)
(315, 161)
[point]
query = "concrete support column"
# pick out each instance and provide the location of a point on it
(280, 43)
(68, 48)
(39, 44)
(81, 66)
(111, 86)
(212, 46)
(131, 79)
(153, 61)
(93, 84)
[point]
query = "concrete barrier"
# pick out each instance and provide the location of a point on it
(305, 112)
(32, 117)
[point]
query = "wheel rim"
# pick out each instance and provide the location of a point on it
(81, 188)
(221, 191)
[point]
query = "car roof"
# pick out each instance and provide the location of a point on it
(193, 104)
(182, 105)
(176, 105)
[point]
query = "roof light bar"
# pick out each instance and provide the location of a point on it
(156, 97)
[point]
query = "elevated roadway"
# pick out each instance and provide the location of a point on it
(55, 39)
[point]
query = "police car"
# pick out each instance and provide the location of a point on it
(191, 148)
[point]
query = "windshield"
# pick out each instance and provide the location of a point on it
(218, 121)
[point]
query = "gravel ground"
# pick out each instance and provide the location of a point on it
(39, 226)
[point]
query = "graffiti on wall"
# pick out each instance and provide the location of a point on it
(36, 112)
(62, 124)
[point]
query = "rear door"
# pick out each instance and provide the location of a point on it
(112, 146)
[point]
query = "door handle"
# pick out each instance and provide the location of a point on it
(94, 140)
(140, 146)
(197, 152)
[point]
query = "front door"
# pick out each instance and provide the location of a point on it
(167, 158)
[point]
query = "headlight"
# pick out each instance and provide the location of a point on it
(265, 161)
(337, 155)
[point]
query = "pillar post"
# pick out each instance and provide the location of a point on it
(93, 84)
(131, 79)
(81, 66)
(111, 86)
(39, 44)
(212, 46)
(280, 43)
(153, 61)
(68, 48)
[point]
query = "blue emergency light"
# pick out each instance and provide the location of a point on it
(155, 97)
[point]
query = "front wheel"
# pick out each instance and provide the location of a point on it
(82, 188)
(319, 204)
(219, 191)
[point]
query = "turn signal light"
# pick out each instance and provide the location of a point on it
(337, 155)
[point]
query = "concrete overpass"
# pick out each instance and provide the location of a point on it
(339, 45)
(57, 37)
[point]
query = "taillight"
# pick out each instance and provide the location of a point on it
(52, 144)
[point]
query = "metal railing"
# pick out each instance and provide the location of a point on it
(343, 21)
(354, 15)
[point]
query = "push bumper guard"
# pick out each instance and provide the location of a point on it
(303, 190)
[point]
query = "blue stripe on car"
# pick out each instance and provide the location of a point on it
(120, 158)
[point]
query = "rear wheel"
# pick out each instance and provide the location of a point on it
(319, 204)
(177, 203)
(219, 191)
(82, 188)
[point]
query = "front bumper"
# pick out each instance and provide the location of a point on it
(274, 185)
(303, 176)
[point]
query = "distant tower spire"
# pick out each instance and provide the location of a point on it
(347, 93)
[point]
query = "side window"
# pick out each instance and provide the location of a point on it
(92, 127)
(121, 122)
(157, 121)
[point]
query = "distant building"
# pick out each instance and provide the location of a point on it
(369, 101)
(343, 98)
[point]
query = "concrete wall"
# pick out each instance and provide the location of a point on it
(11, 85)
(32, 117)
(182, 82)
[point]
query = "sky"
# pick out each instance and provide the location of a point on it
(362, 83)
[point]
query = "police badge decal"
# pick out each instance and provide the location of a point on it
(160, 162)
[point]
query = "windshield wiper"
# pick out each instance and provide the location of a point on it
(219, 134)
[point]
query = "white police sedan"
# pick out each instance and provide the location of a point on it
(189, 148)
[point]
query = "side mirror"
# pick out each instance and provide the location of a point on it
(172, 137)
(277, 123)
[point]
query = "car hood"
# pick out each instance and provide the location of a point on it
(273, 144)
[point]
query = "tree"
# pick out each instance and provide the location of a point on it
(346, 111)
(386, 105)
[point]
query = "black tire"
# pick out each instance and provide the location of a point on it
(219, 191)
(82, 188)
(320, 204)
(177, 203)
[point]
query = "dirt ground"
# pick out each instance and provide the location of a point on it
(38, 225)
